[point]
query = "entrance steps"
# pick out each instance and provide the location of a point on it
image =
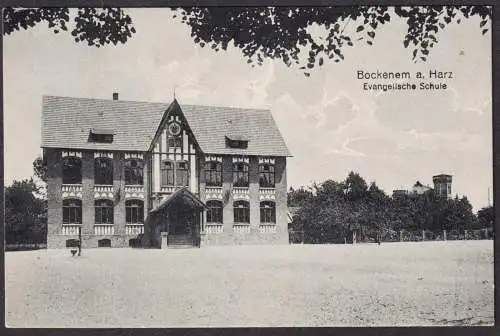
(180, 241)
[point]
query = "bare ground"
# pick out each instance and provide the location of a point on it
(394, 284)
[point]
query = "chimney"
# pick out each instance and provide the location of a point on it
(115, 95)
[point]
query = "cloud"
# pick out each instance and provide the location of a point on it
(431, 112)
(380, 147)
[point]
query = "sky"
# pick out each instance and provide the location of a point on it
(330, 124)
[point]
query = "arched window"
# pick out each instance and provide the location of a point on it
(182, 174)
(240, 174)
(214, 213)
(134, 172)
(103, 211)
(72, 211)
(167, 173)
(267, 212)
(266, 175)
(103, 171)
(213, 174)
(72, 170)
(134, 211)
(241, 212)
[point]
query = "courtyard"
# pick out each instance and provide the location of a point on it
(394, 284)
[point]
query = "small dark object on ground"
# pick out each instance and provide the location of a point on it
(73, 252)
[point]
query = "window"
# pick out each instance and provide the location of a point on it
(103, 171)
(72, 211)
(101, 135)
(72, 243)
(167, 173)
(104, 243)
(134, 211)
(134, 172)
(182, 174)
(213, 174)
(72, 170)
(174, 142)
(240, 174)
(267, 212)
(266, 175)
(236, 141)
(214, 213)
(103, 212)
(241, 212)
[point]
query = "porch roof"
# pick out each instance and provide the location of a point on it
(183, 192)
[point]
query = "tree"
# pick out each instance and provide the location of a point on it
(96, 27)
(297, 197)
(25, 214)
(282, 33)
(486, 217)
(40, 168)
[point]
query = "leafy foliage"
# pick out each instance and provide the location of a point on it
(25, 214)
(40, 168)
(96, 27)
(338, 210)
(282, 33)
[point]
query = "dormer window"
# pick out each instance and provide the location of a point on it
(101, 135)
(236, 141)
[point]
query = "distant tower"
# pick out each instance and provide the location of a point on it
(442, 185)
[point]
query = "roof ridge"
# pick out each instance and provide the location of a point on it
(158, 102)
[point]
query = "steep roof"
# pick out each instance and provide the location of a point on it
(66, 122)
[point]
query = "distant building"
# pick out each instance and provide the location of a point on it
(419, 188)
(442, 188)
(442, 185)
(399, 193)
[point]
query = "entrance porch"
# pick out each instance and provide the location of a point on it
(177, 221)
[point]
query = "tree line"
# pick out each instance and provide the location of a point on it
(350, 210)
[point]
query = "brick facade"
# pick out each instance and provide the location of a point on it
(254, 233)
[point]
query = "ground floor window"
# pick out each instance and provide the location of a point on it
(103, 212)
(72, 211)
(104, 243)
(134, 211)
(214, 213)
(72, 243)
(241, 212)
(267, 212)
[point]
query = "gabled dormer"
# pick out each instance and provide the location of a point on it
(101, 135)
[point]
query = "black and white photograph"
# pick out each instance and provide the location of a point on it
(194, 167)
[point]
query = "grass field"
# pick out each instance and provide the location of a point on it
(430, 283)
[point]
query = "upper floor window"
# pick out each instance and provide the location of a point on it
(174, 142)
(240, 174)
(214, 213)
(72, 211)
(167, 173)
(103, 211)
(241, 210)
(182, 174)
(213, 174)
(103, 171)
(134, 172)
(266, 175)
(134, 211)
(71, 170)
(267, 212)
